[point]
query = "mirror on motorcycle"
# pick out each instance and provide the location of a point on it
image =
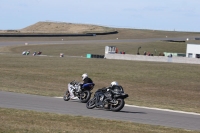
(72, 82)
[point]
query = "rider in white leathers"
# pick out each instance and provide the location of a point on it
(71, 89)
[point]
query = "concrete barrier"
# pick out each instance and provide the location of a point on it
(153, 58)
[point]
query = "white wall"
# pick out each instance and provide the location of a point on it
(153, 58)
(110, 49)
(194, 49)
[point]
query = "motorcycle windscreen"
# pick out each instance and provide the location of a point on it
(117, 89)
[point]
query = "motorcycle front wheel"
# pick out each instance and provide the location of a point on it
(91, 103)
(85, 96)
(66, 97)
(118, 106)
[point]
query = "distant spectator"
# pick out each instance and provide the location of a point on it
(145, 53)
(28, 52)
(39, 53)
(34, 53)
(116, 51)
(170, 55)
(61, 55)
(24, 53)
(161, 54)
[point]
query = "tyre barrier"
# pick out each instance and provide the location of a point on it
(94, 56)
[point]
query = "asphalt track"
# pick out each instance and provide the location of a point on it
(132, 114)
(12, 43)
(188, 121)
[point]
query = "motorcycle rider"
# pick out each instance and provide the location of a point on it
(85, 79)
(34, 54)
(111, 85)
(101, 92)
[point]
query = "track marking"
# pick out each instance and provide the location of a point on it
(167, 110)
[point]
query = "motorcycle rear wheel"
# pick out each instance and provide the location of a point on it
(85, 96)
(66, 97)
(91, 103)
(120, 104)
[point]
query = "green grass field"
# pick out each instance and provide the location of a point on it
(20, 121)
(153, 84)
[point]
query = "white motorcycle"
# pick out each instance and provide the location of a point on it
(82, 91)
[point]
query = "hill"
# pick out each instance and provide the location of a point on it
(62, 27)
(73, 28)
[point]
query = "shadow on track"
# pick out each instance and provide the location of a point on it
(132, 112)
(120, 111)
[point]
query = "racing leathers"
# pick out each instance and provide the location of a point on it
(86, 81)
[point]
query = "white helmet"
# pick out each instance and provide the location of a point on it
(114, 83)
(84, 76)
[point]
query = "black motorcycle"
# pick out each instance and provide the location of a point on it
(111, 98)
(83, 92)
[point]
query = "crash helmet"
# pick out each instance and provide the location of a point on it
(114, 83)
(84, 76)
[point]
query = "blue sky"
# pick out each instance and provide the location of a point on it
(179, 15)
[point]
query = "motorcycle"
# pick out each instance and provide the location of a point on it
(82, 91)
(108, 98)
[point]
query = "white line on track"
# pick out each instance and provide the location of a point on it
(167, 110)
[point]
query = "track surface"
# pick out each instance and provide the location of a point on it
(88, 41)
(133, 114)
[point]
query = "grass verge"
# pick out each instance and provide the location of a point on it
(153, 84)
(19, 121)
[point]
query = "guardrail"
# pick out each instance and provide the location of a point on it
(41, 35)
(51, 34)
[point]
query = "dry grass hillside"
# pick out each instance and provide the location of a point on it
(62, 27)
(73, 28)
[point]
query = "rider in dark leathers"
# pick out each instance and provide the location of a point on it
(86, 80)
(100, 92)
